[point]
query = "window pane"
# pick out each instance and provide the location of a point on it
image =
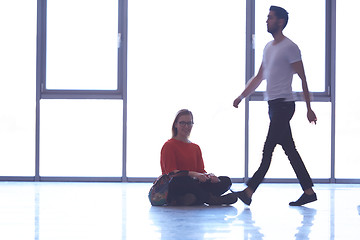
(17, 88)
(308, 34)
(313, 142)
(191, 55)
(81, 138)
(82, 44)
(347, 91)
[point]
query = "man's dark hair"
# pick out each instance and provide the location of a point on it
(280, 14)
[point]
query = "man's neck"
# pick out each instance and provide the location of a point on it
(278, 36)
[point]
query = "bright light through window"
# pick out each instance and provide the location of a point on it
(347, 91)
(17, 87)
(308, 34)
(186, 54)
(82, 44)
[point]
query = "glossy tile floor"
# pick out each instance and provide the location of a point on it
(104, 211)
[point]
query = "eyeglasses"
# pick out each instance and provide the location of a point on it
(183, 124)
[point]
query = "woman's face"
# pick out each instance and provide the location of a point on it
(184, 126)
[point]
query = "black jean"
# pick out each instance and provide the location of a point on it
(280, 113)
(179, 186)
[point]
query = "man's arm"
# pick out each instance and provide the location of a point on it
(299, 69)
(250, 87)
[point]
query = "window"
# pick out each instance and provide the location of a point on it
(180, 60)
(309, 36)
(81, 138)
(81, 74)
(313, 142)
(72, 97)
(17, 88)
(82, 42)
(347, 87)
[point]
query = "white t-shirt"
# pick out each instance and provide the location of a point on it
(277, 60)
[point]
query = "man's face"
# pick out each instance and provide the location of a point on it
(273, 23)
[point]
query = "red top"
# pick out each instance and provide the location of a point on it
(178, 155)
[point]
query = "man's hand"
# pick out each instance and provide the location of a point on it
(237, 101)
(311, 116)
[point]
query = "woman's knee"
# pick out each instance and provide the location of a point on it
(225, 180)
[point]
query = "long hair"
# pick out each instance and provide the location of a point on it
(178, 115)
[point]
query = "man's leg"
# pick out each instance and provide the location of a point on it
(295, 160)
(298, 166)
(277, 119)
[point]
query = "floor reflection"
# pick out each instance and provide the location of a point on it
(204, 223)
(251, 231)
(42, 211)
(308, 218)
(37, 212)
(192, 222)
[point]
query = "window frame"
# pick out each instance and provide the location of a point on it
(43, 93)
(328, 95)
(121, 92)
(324, 96)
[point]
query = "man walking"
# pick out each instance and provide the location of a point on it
(281, 59)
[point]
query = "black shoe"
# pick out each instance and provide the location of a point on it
(243, 197)
(304, 199)
(226, 199)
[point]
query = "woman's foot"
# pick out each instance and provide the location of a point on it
(226, 199)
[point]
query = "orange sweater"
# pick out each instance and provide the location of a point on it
(178, 155)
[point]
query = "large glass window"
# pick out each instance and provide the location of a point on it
(81, 138)
(308, 34)
(347, 90)
(313, 142)
(82, 41)
(17, 87)
(181, 54)
(186, 54)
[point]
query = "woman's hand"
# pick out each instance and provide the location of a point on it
(200, 176)
(203, 177)
(213, 178)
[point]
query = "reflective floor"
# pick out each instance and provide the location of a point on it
(121, 211)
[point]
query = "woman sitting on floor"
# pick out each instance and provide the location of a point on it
(179, 154)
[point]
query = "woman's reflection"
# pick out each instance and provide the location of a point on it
(190, 222)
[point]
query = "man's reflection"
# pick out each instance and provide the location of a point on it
(307, 222)
(251, 231)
